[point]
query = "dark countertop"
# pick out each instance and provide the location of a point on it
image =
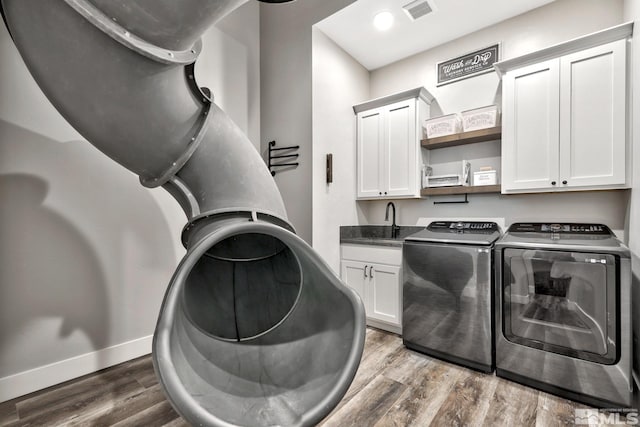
(379, 235)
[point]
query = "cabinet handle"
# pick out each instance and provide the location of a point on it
(385, 193)
(564, 182)
(365, 270)
(380, 193)
(553, 183)
(371, 271)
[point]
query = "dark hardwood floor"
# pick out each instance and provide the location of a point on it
(393, 387)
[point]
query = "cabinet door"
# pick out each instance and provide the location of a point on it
(592, 117)
(385, 294)
(400, 176)
(530, 150)
(355, 275)
(369, 153)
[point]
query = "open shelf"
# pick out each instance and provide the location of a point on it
(444, 191)
(482, 135)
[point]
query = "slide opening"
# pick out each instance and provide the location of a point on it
(242, 287)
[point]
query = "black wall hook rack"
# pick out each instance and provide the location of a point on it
(289, 155)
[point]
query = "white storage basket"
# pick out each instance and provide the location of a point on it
(442, 125)
(480, 118)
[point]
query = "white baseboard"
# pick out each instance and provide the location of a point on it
(55, 373)
(385, 326)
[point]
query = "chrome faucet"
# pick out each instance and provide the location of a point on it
(394, 228)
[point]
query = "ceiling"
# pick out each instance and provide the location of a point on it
(352, 29)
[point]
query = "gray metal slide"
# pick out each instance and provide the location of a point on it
(255, 329)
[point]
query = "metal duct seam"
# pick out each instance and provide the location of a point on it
(117, 32)
(194, 142)
(165, 56)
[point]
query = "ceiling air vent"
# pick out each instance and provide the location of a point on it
(418, 8)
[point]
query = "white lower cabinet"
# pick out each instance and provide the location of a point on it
(375, 273)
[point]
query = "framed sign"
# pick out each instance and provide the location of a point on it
(472, 64)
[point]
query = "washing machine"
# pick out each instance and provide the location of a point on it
(447, 292)
(563, 308)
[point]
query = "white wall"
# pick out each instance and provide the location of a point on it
(632, 13)
(239, 92)
(556, 22)
(222, 58)
(285, 79)
(338, 83)
(86, 252)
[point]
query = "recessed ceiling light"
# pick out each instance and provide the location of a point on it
(383, 20)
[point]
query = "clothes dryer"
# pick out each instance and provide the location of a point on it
(563, 307)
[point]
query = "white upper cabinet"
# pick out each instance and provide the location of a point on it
(564, 116)
(389, 154)
(530, 127)
(592, 109)
(370, 152)
(400, 150)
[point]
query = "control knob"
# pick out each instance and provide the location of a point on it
(555, 227)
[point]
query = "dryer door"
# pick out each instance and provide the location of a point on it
(562, 302)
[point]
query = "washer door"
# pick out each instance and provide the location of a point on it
(562, 302)
(447, 301)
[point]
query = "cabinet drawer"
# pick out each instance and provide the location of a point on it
(372, 254)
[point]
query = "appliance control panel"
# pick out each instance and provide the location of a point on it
(463, 226)
(576, 228)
